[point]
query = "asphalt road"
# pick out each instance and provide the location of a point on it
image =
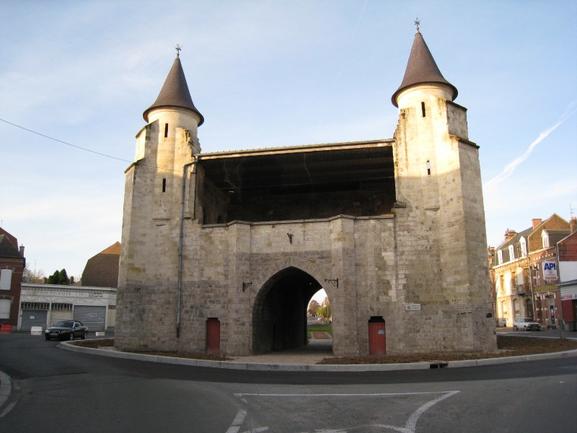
(62, 391)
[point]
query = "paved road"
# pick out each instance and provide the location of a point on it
(62, 391)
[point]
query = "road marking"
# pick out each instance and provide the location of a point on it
(411, 424)
(7, 409)
(237, 421)
(379, 394)
(5, 391)
(409, 427)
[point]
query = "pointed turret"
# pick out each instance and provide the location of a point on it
(174, 93)
(421, 69)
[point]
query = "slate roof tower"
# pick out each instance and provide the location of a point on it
(158, 184)
(174, 93)
(439, 194)
(422, 69)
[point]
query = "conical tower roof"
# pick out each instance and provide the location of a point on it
(421, 69)
(174, 92)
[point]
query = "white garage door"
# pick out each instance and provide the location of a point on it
(94, 317)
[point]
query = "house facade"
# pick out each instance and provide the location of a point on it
(12, 264)
(223, 251)
(567, 257)
(525, 273)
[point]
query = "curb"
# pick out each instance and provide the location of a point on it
(5, 389)
(245, 366)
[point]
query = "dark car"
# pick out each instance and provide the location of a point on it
(66, 330)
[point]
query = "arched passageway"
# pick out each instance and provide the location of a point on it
(279, 314)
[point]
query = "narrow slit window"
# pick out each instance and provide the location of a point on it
(163, 184)
(423, 110)
(428, 167)
(166, 130)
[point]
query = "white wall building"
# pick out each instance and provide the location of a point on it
(44, 304)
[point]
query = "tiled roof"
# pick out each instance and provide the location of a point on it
(7, 248)
(504, 247)
(556, 235)
(102, 269)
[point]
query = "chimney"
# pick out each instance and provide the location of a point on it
(509, 234)
(21, 249)
(536, 222)
(573, 224)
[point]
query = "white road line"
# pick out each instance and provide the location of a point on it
(382, 394)
(7, 409)
(5, 391)
(411, 424)
(409, 427)
(237, 421)
(256, 430)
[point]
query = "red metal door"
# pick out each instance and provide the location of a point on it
(377, 336)
(212, 335)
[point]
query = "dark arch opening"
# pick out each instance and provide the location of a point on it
(279, 315)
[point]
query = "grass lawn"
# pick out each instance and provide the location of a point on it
(320, 328)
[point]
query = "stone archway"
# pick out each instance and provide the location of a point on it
(279, 313)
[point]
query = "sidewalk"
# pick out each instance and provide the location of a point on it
(317, 350)
(549, 333)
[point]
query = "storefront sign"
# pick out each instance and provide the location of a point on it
(549, 270)
(568, 293)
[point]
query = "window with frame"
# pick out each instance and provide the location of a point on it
(545, 238)
(5, 305)
(500, 257)
(523, 244)
(5, 279)
(511, 253)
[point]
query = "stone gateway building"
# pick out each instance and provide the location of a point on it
(221, 252)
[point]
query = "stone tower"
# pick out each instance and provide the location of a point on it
(440, 205)
(155, 205)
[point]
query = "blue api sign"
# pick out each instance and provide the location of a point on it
(549, 271)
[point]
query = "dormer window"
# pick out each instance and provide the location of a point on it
(523, 244)
(545, 238)
(499, 257)
(511, 253)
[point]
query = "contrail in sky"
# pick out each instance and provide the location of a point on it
(512, 166)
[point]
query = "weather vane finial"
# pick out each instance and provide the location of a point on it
(418, 24)
(178, 50)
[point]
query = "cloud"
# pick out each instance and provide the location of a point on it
(512, 166)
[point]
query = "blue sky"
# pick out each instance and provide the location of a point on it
(270, 73)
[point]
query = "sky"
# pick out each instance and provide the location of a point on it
(266, 74)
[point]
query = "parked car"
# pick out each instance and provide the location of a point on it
(526, 324)
(66, 330)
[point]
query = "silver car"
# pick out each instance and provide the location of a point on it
(526, 324)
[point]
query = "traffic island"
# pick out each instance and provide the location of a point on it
(108, 344)
(508, 346)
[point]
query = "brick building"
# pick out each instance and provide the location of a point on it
(223, 251)
(525, 272)
(12, 264)
(567, 257)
